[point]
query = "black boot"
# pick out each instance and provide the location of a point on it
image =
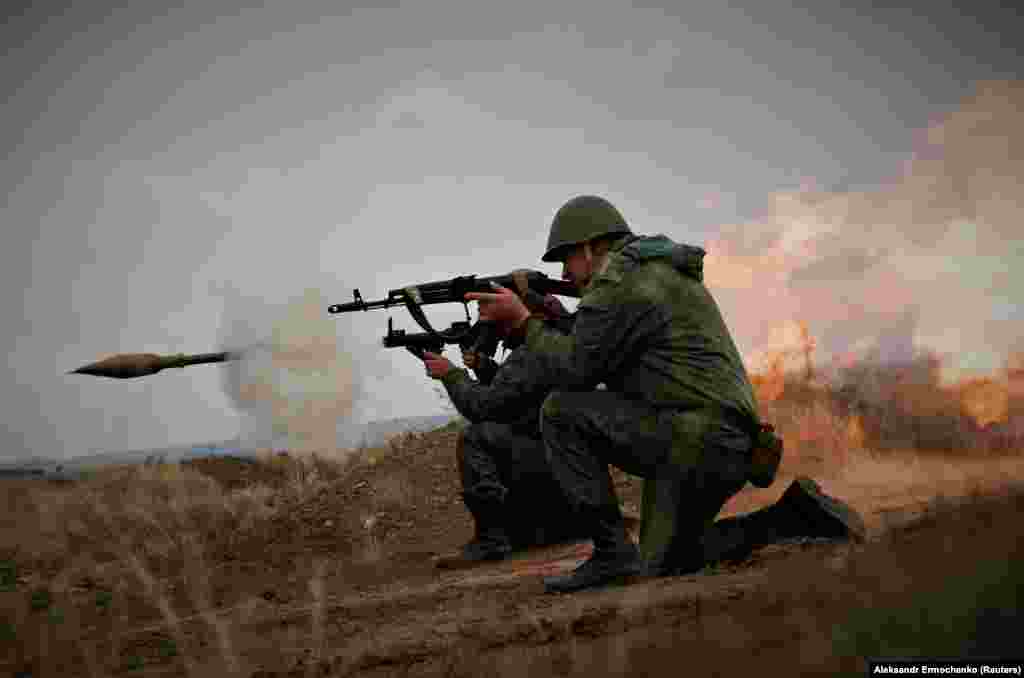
(565, 532)
(804, 510)
(734, 539)
(615, 557)
(490, 541)
(561, 525)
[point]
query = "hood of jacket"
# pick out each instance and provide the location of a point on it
(686, 259)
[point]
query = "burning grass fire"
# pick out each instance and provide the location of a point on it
(906, 406)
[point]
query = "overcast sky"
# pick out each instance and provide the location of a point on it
(202, 177)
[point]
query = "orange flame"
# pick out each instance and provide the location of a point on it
(984, 399)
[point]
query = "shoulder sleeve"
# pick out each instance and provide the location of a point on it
(614, 321)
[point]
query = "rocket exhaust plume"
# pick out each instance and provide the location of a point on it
(133, 365)
(296, 382)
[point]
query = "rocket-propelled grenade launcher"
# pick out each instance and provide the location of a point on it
(132, 365)
(482, 336)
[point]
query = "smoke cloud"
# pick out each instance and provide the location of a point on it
(930, 259)
(295, 380)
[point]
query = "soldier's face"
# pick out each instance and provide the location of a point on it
(577, 267)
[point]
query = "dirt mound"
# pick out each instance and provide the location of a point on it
(296, 566)
(939, 585)
(403, 501)
(235, 473)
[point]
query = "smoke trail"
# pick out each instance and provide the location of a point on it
(295, 380)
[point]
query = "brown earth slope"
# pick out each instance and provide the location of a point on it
(318, 570)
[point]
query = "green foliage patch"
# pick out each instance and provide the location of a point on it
(8, 575)
(168, 648)
(104, 599)
(40, 599)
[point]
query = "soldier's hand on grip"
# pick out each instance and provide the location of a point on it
(471, 359)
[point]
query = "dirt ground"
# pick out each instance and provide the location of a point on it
(339, 581)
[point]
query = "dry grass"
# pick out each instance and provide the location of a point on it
(155, 512)
(141, 538)
(129, 546)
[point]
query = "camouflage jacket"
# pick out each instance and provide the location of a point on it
(510, 393)
(486, 370)
(649, 329)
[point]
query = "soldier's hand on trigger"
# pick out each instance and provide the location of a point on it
(503, 306)
(471, 359)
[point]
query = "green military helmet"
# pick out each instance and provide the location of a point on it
(580, 220)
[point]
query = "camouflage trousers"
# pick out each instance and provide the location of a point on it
(504, 464)
(691, 463)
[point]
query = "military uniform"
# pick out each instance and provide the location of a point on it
(503, 467)
(486, 369)
(679, 406)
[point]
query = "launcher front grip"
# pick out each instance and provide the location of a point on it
(481, 338)
(417, 344)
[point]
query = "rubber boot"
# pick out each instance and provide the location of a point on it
(615, 556)
(490, 541)
(804, 510)
(737, 537)
(542, 519)
(563, 531)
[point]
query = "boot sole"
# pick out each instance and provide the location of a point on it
(456, 564)
(619, 580)
(623, 578)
